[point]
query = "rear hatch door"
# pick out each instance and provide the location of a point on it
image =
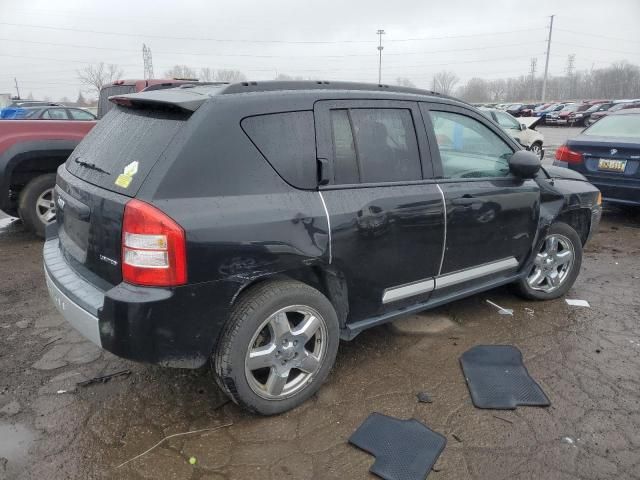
(102, 174)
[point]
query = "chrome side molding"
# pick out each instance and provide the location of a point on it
(424, 286)
(476, 272)
(406, 291)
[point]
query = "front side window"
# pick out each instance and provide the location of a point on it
(469, 149)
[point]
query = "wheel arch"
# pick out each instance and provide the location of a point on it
(24, 161)
(579, 219)
(327, 280)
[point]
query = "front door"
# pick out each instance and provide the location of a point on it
(491, 215)
(386, 212)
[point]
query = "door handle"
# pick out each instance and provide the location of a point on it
(325, 173)
(466, 199)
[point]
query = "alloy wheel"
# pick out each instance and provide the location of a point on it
(552, 264)
(286, 352)
(46, 207)
(537, 149)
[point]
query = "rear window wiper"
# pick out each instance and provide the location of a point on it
(91, 166)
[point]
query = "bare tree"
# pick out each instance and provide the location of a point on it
(95, 76)
(230, 76)
(444, 82)
(496, 89)
(405, 82)
(207, 74)
(81, 101)
(180, 71)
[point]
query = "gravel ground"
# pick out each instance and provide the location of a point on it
(587, 360)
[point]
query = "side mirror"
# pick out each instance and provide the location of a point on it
(524, 164)
(523, 127)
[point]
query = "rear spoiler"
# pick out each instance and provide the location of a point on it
(185, 99)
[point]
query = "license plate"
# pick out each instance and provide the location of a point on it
(609, 165)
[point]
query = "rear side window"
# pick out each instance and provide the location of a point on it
(373, 145)
(288, 142)
(121, 149)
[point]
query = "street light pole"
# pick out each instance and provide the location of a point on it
(380, 47)
(546, 63)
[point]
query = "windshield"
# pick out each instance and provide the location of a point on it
(626, 126)
(593, 108)
(570, 108)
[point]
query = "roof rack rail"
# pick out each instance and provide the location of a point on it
(279, 85)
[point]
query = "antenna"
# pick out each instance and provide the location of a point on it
(148, 62)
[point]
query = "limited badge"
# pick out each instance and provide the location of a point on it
(124, 179)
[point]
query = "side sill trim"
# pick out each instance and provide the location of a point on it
(406, 291)
(475, 272)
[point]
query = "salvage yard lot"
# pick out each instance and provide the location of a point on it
(587, 360)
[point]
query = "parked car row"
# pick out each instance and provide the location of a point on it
(41, 110)
(571, 113)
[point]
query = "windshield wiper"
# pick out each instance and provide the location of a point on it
(91, 166)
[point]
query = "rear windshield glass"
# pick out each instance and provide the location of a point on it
(122, 148)
(616, 126)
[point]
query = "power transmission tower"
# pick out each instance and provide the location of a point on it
(380, 48)
(534, 63)
(17, 89)
(148, 61)
(546, 63)
(570, 64)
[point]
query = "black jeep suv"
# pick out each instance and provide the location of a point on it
(257, 224)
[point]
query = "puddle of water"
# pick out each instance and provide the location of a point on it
(15, 441)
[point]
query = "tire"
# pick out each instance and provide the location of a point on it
(256, 323)
(33, 213)
(536, 147)
(565, 237)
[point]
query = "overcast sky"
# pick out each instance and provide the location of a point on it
(43, 43)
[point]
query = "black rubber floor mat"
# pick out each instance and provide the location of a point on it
(498, 379)
(404, 449)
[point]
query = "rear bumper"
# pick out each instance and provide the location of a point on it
(624, 194)
(80, 319)
(175, 327)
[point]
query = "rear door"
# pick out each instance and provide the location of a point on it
(385, 210)
(492, 216)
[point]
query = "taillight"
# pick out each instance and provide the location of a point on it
(153, 247)
(565, 154)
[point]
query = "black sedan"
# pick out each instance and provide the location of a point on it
(608, 154)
